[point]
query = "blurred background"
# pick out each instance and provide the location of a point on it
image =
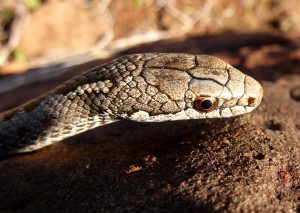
(57, 39)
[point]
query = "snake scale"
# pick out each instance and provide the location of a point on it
(140, 87)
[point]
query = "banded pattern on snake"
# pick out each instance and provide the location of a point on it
(140, 87)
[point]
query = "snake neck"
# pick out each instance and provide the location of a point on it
(45, 121)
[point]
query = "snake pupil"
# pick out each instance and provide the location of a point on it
(206, 104)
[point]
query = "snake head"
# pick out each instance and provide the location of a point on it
(183, 86)
(219, 90)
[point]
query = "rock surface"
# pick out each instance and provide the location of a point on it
(247, 163)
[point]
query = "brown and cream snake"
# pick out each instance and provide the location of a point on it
(140, 87)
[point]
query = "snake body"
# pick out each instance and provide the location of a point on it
(140, 87)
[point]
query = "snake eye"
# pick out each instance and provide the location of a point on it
(205, 104)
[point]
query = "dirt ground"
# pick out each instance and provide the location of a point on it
(248, 163)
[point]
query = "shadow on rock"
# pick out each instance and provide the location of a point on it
(124, 166)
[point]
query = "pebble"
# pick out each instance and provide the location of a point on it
(295, 93)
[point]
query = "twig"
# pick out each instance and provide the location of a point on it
(20, 21)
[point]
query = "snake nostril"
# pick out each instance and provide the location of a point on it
(251, 101)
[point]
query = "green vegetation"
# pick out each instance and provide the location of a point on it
(19, 55)
(6, 15)
(138, 3)
(32, 4)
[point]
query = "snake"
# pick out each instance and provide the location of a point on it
(149, 87)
